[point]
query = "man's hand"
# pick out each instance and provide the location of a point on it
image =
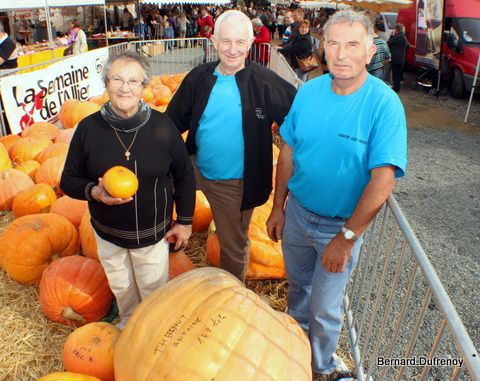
(275, 224)
(336, 254)
(100, 194)
(179, 234)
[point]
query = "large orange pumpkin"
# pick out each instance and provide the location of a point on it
(120, 182)
(44, 129)
(74, 290)
(9, 140)
(87, 237)
(12, 182)
(65, 136)
(89, 350)
(179, 263)
(73, 111)
(28, 148)
(31, 242)
(28, 167)
(5, 162)
(50, 172)
(67, 376)
(206, 325)
(38, 198)
(54, 150)
(266, 259)
(70, 208)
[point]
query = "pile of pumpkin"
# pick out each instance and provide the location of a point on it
(41, 245)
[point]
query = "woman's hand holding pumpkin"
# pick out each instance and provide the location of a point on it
(100, 194)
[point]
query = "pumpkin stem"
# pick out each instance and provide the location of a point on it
(70, 314)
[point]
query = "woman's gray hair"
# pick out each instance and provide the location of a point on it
(236, 15)
(350, 17)
(127, 56)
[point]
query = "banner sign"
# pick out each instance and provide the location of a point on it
(429, 33)
(37, 96)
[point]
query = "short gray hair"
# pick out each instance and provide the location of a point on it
(233, 14)
(127, 56)
(350, 17)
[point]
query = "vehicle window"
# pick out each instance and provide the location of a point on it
(391, 19)
(469, 30)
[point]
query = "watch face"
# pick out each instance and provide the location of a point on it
(349, 234)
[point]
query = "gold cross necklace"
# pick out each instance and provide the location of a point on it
(127, 150)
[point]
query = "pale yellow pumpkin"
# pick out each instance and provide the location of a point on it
(206, 325)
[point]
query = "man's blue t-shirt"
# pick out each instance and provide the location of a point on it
(220, 149)
(338, 139)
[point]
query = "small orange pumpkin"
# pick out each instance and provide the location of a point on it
(38, 198)
(28, 167)
(179, 263)
(9, 140)
(70, 208)
(67, 376)
(44, 129)
(5, 162)
(120, 182)
(65, 136)
(89, 350)
(73, 111)
(28, 148)
(31, 242)
(50, 172)
(148, 94)
(87, 237)
(54, 150)
(74, 290)
(12, 182)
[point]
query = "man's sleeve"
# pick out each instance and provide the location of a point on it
(388, 140)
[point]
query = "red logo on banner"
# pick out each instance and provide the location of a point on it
(28, 118)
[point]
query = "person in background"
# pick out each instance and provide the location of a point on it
(8, 51)
(205, 25)
(345, 144)
(182, 25)
(301, 46)
(287, 32)
(127, 22)
(141, 29)
(260, 51)
(20, 26)
(280, 23)
(398, 46)
(380, 59)
(168, 34)
(228, 107)
(132, 233)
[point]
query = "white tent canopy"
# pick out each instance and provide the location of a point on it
(168, 2)
(321, 4)
(29, 4)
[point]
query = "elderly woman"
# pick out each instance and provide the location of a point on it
(300, 47)
(132, 233)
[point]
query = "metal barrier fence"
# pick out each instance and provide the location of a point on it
(397, 330)
(177, 55)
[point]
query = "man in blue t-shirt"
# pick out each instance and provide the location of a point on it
(228, 107)
(345, 143)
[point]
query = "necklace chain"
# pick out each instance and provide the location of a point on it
(127, 150)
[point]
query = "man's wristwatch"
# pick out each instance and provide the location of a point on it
(348, 234)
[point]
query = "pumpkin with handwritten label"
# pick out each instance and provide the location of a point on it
(206, 325)
(89, 350)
